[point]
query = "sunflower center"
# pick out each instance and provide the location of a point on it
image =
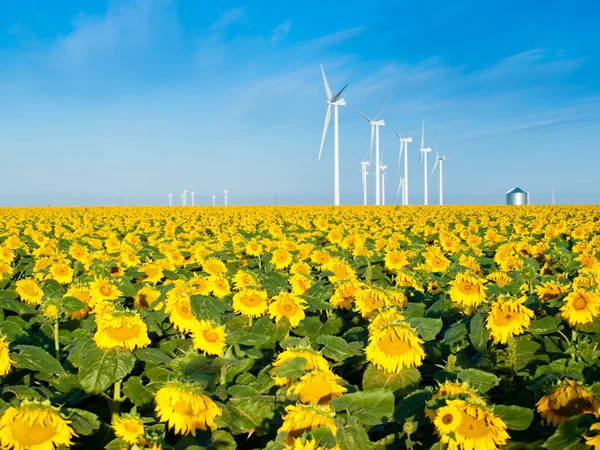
(183, 408)
(251, 300)
(29, 290)
(210, 336)
(574, 407)
(61, 270)
(132, 427)
(580, 303)
(467, 287)
(151, 272)
(472, 428)
(143, 301)
(288, 309)
(123, 333)
(447, 419)
(503, 319)
(184, 311)
(318, 389)
(32, 434)
(394, 348)
(105, 290)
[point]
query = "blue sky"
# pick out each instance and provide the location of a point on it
(139, 98)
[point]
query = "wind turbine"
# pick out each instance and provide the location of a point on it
(404, 141)
(439, 159)
(184, 197)
(423, 155)
(214, 200)
(364, 173)
(384, 176)
(193, 193)
(225, 191)
(334, 101)
(170, 199)
(375, 124)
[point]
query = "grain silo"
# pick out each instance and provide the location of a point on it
(517, 196)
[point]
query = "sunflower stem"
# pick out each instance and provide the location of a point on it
(259, 262)
(250, 321)
(115, 403)
(56, 341)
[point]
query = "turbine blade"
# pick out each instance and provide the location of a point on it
(336, 96)
(371, 148)
(437, 155)
(327, 119)
(434, 166)
(400, 154)
(364, 115)
(386, 100)
(399, 186)
(327, 89)
(397, 134)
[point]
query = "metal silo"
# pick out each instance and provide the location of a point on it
(517, 196)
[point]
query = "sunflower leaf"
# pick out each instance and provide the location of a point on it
(480, 380)
(247, 414)
(369, 407)
(101, 368)
(294, 368)
(83, 422)
(135, 391)
(515, 417)
(479, 334)
(569, 434)
(352, 436)
(337, 348)
(37, 359)
(207, 308)
(72, 304)
(378, 379)
(427, 328)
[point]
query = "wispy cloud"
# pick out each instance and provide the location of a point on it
(281, 31)
(229, 17)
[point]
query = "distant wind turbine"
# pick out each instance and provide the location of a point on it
(334, 101)
(383, 177)
(225, 196)
(375, 124)
(439, 159)
(404, 141)
(184, 197)
(214, 200)
(170, 199)
(193, 193)
(364, 173)
(423, 155)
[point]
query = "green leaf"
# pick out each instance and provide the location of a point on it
(569, 434)
(72, 304)
(378, 379)
(135, 391)
(208, 308)
(250, 339)
(101, 368)
(426, 328)
(455, 333)
(545, 325)
(370, 407)
(152, 356)
(337, 348)
(353, 436)
(13, 305)
(480, 380)
(528, 351)
(515, 417)
(83, 422)
(479, 334)
(247, 414)
(10, 330)
(221, 440)
(80, 350)
(37, 359)
(274, 282)
(242, 391)
(411, 405)
(293, 368)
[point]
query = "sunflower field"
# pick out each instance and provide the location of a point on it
(304, 328)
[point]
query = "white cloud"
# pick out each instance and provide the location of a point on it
(229, 17)
(281, 31)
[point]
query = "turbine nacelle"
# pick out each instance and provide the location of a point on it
(338, 102)
(378, 123)
(406, 140)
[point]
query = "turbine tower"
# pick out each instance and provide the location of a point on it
(404, 141)
(170, 199)
(214, 200)
(375, 124)
(334, 101)
(383, 177)
(364, 173)
(193, 193)
(423, 155)
(439, 159)
(184, 197)
(225, 196)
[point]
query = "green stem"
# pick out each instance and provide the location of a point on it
(259, 262)
(250, 321)
(56, 342)
(115, 403)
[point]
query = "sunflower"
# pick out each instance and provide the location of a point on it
(395, 260)
(5, 270)
(405, 279)
(318, 387)
(103, 289)
(467, 291)
(281, 258)
(594, 441)
(179, 309)
(508, 318)
(253, 248)
(287, 305)
(580, 306)
(369, 299)
(301, 418)
(394, 348)
(313, 361)
(478, 429)
(34, 425)
(308, 444)
(81, 293)
(243, 279)
(549, 290)
(251, 302)
(345, 293)
(500, 278)
(341, 271)
(5, 361)
(121, 329)
(145, 297)
(219, 286)
(153, 273)
(435, 261)
(208, 338)
(129, 428)
(185, 409)
(301, 283)
(29, 291)
(214, 266)
(566, 400)
(60, 272)
(447, 419)
(452, 388)
(129, 259)
(51, 311)
(199, 285)
(384, 318)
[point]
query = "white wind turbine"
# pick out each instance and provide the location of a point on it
(423, 155)
(383, 177)
(225, 196)
(193, 193)
(184, 198)
(170, 199)
(214, 200)
(334, 101)
(375, 124)
(404, 141)
(439, 159)
(364, 173)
